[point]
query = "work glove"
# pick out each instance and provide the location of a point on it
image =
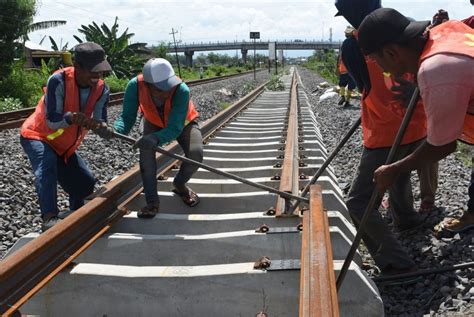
(104, 131)
(147, 142)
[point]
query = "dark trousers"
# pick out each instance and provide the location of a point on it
(385, 249)
(50, 169)
(190, 141)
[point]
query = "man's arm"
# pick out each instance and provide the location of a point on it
(100, 109)
(127, 118)
(354, 61)
(54, 103)
(424, 155)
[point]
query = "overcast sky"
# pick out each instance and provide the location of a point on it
(205, 21)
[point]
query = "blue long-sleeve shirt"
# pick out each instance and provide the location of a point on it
(54, 101)
(176, 119)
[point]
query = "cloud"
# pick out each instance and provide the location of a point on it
(205, 21)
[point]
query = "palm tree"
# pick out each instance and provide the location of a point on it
(41, 26)
(126, 59)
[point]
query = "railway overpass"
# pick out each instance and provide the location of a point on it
(189, 48)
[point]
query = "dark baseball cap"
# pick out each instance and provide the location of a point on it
(384, 26)
(91, 56)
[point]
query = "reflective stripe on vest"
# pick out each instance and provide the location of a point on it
(147, 106)
(453, 37)
(382, 114)
(64, 141)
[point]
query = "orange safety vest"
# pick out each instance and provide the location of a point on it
(382, 115)
(341, 67)
(147, 106)
(453, 37)
(64, 141)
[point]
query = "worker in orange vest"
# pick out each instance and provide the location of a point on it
(169, 114)
(345, 79)
(381, 113)
(443, 61)
(75, 101)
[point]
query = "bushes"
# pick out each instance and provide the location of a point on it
(275, 84)
(10, 104)
(24, 85)
(116, 84)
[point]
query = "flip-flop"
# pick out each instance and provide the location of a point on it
(190, 198)
(455, 221)
(427, 208)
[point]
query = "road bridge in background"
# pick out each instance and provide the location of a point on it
(189, 48)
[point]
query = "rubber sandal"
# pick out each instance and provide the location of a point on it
(454, 222)
(190, 198)
(148, 212)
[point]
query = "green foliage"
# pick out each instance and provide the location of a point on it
(25, 85)
(15, 17)
(324, 63)
(275, 84)
(161, 51)
(247, 88)
(116, 84)
(464, 153)
(126, 59)
(10, 104)
(224, 105)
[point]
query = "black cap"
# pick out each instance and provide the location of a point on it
(91, 56)
(384, 26)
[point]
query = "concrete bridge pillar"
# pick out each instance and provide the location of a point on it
(189, 58)
(244, 54)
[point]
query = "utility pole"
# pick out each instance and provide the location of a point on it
(254, 36)
(173, 32)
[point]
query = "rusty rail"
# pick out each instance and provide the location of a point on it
(289, 174)
(23, 273)
(318, 294)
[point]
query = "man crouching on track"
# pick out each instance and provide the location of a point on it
(51, 135)
(169, 114)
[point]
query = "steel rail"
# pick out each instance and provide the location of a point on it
(328, 161)
(14, 119)
(318, 295)
(289, 179)
(24, 272)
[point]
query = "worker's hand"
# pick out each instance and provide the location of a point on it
(80, 119)
(385, 176)
(104, 131)
(404, 90)
(147, 142)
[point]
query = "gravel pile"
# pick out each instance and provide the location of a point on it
(19, 210)
(448, 294)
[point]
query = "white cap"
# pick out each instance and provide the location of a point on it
(159, 72)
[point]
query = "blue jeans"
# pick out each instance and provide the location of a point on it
(49, 169)
(190, 141)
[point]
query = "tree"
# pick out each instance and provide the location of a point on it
(126, 59)
(161, 51)
(15, 17)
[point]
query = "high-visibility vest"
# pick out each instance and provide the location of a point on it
(382, 114)
(64, 141)
(453, 37)
(341, 67)
(150, 112)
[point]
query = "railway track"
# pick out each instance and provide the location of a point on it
(236, 253)
(14, 119)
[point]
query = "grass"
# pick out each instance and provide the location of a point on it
(464, 153)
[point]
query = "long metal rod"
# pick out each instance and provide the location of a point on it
(425, 272)
(326, 163)
(375, 198)
(216, 171)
